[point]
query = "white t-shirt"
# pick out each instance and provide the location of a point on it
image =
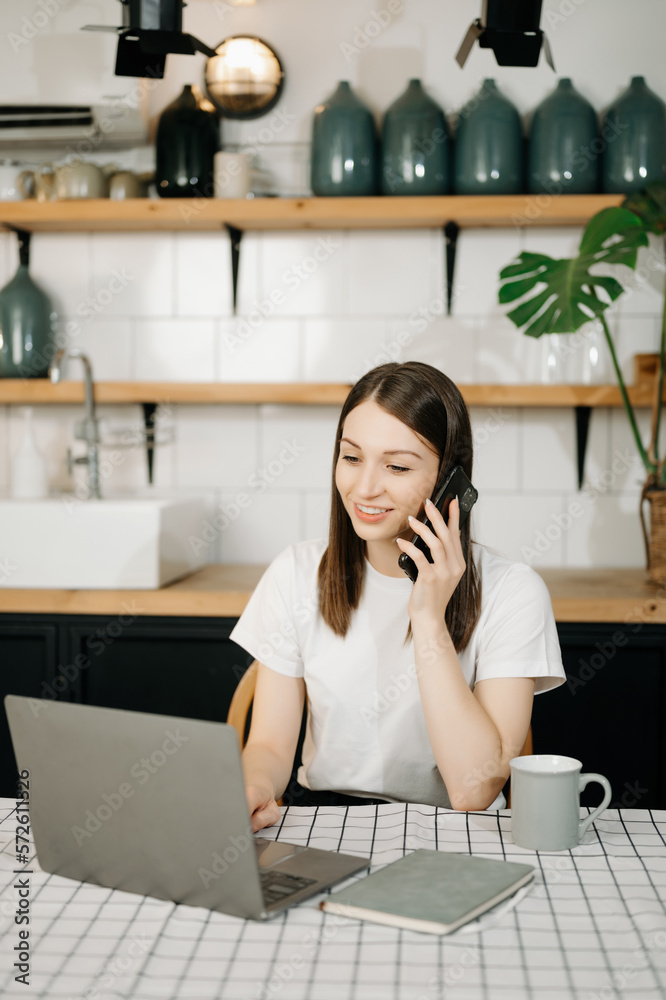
(366, 731)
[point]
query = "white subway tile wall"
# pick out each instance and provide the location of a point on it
(448, 342)
(203, 275)
(175, 350)
(404, 273)
(317, 513)
(253, 348)
(340, 350)
(216, 446)
(59, 263)
(109, 343)
(257, 531)
(549, 441)
(327, 307)
(303, 274)
(5, 450)
(496, 432)
(481, 254)
(133, 275)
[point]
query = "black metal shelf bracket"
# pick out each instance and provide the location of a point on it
(235, 236)
(451, 230)
(23, 236)
(149, 411)
(583, 414)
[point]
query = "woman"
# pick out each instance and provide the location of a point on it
(416, 692)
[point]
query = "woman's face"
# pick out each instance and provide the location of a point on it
(384, 472)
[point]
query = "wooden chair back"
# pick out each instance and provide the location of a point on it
(241, 701)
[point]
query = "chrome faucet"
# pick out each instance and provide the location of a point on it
(88, 429)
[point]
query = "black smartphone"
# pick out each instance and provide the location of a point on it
(456, 484)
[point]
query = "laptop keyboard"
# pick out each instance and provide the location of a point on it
(277, 886)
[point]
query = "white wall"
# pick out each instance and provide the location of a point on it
(173, 319)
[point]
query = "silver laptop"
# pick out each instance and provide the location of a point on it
(156, 805)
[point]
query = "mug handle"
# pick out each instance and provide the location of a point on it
(583, 781)
(26, 183)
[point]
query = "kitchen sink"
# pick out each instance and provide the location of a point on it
(129, 543)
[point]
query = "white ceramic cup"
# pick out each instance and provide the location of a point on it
(79, 179)
(125, 184)
(9, 189)
(545, 801)
(232, 174)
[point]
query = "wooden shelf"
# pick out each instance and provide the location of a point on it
(185, 214)
(42, 391)
(35, 391)
(578, 595)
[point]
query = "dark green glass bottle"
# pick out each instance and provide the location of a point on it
(488, 151)
(415, 145)
(634, 137)
(561, 156)
(344, 146)
(27, 339)
(188, 137)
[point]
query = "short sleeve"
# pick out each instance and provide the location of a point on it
(266, 628)
(519, 636)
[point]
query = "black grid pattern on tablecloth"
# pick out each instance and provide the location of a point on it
(592, 928)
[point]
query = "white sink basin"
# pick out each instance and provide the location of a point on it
(139, 543)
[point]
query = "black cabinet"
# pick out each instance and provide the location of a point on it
(611, 713)
(172, 666)
(28, 660)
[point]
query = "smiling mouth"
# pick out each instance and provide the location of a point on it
(368, 511)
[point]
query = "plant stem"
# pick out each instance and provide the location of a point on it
(660, 386)
(650, 468)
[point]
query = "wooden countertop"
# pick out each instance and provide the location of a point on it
(605, 595)
(578, 595)
(216, 591)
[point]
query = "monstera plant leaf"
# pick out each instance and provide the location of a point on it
(650, 206)
(559, 296)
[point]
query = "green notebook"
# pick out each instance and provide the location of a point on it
(431, 891)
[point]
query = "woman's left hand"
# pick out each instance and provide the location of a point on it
(438, 579)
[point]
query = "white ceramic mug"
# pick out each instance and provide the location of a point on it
(70, 181)
(9, 188)
(232, 174)
(125, 184)
(79, 179)
(37, 183)
(545, 801)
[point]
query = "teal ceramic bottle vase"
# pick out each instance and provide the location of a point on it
(27, 341)
(634, 137)
(488, 149)
(188, 137)
(344, 146)
(561, 156)
(415, 145)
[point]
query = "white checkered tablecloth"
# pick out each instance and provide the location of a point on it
(591, 927)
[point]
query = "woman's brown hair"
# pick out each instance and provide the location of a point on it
(431, 405)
